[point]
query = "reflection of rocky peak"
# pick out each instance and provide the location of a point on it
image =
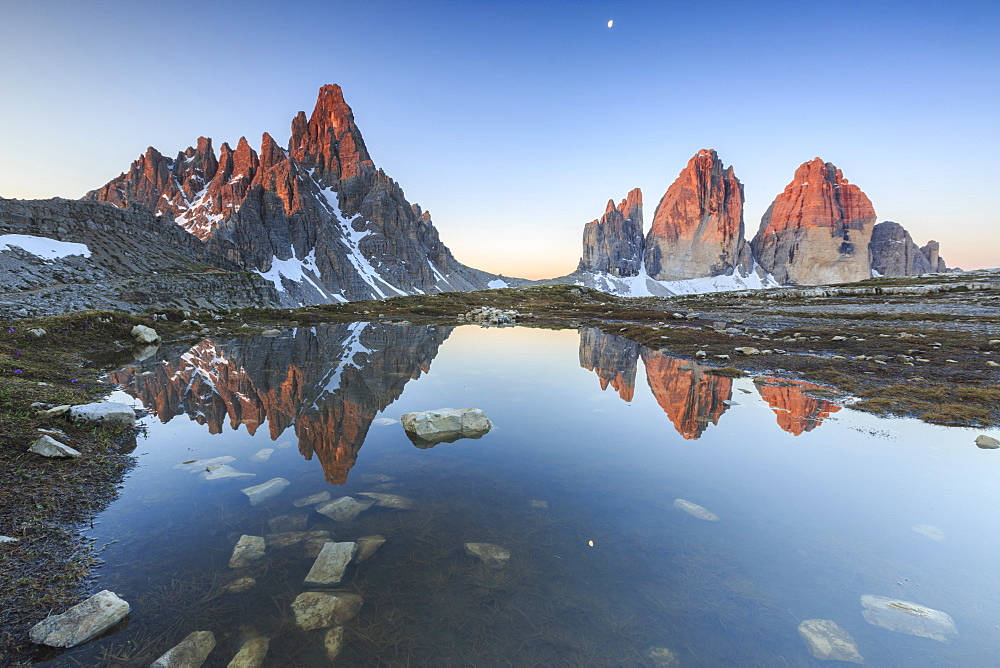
(613, 245)
(697, 229)
(690, 397)
(612, 358)
(329, 382)
(817, 230)
(797, 410)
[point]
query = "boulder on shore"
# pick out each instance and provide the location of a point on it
(143, 335)
(445, 425)
(103, 414)
(46, 446)
(83, 622)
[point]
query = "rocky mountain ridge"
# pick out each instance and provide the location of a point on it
(317, 218)
(819, 230)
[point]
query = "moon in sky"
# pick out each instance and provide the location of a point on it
(611, 23)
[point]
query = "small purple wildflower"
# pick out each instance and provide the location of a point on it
(17, 372)
(75, 380)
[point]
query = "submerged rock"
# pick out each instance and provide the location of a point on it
(331, 562)
(287, 538)
(82, 622)
(311, 500)
(445, 425)
(334, 641)
(344, 509)
(240, 585)
(826, 641)
(907, 617)
(319, 610)
(538, 503)
(987, 442)
(287, 523)
(384, 421)
(46, 446)
(188, 653)
(930, 531)
(262, 455)
(376, 477)
(262, 492)
(491, 555)
(367, 546)
(661, 657)
(248, 548)
(390, 500)
(223, 471)
(252, 654)
(204, 464)
(695, 510)
(103, 414)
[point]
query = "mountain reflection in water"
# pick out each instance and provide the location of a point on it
(690, 395)
(328, 383)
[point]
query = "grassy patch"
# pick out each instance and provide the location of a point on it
(962, 406)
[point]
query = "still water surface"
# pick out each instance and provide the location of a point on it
(595, 438)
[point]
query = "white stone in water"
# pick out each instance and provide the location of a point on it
(445, 425)
(82, 622)
(199, 465)
(312, 500)
(8, 539)
(262, 455)
(695, 510)
(826, 641)
(334, 641)
(390, 500)
(538, 503)
(46, 446)
(285, 444)
(907, 617)
(661, 657)
(319, 610)
(331, 562)
(248, 548)
(367, 547)
(931, 532)
(223, 471)
(987, 442)
(383, 421)
(491, 555)
(144, 335)
(104, 414)
(265, 490)
(344, 509)
(188, 653)
(252, 654)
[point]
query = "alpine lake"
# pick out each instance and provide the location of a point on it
(654, 513)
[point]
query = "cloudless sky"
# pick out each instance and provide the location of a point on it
(515, 122)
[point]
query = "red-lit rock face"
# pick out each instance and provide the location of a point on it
(697, 229)
(797, 410)
(691, 398)
(330, 141)
(817, 230)
(614, 244)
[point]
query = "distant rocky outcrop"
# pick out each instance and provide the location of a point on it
(317, 219)
(894, 253)
(817, 230)
(614, 243)
(697, 229)
(133, 261)
(932, 251)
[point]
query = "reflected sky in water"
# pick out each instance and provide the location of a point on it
(817, 503)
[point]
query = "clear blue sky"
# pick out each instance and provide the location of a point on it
(515, 122)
